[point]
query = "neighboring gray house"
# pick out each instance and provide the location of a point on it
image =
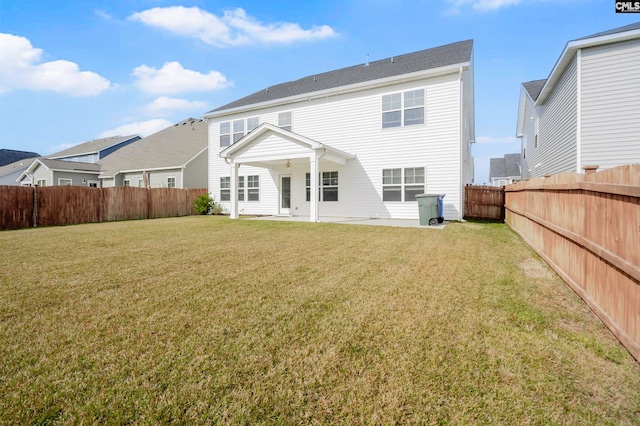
(48, 172)
(175, 157)
(73, 166)
(505, 170)
(10, 172)
(586, 112)
(94, 150)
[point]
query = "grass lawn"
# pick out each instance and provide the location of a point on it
(207, 320)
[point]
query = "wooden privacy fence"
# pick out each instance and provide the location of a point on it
(24, 207)
(587, 228)
(484, 202)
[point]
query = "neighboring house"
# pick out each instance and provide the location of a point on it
(361, 141)
(94, 150)
(48, 172)
(73, 166)
(9, 156)
(175, 157)
(505, 170)
(586, 112)
(9, 173)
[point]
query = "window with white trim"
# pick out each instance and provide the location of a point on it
(140, 183)
(225, 188)
(253, 188)
(284, 120)
(403, 109)
(225, 134)
(238, 130)
(327, 186)
(64, 182)
(126, 182)
(240, 188)
(252, 123)
(41, 182)
(402, 184)
(535, 141)
(171, 182)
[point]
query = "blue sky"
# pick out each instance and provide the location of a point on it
(75, 70)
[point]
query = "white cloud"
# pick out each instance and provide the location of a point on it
(480, 5)
(233, 28)
(165, 104)
(174, 78)
(498, 140)
(142, 128)
(21, 68)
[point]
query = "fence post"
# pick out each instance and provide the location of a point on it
(35, 206)
(591, 169)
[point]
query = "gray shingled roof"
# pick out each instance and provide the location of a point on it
(70, 165)
(534, 87)
(17, 165)
(450, 54)
(92, 146)
(169, 148)
(507, 166)
(629, 27)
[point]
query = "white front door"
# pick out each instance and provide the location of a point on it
(285, 195)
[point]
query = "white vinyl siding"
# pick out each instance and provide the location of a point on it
(196, 171)
(356, 128)
(610, 113)
(557, 141)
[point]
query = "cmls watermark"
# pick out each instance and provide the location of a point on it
(628, 7)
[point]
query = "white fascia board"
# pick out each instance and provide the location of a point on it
(521, 108)
(570, 50)
(75, 155)
(371, 84)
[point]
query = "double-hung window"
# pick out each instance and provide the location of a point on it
(225, 188)
(403, 109)
(41, 182)
(171, 182)
(328, 186)
(240, 188)
(126, 182)
(392, 185)
(537, 125)
(238, 130)
(284, 120)
(225, 134)
(402, 184)
(252, 123)
(253, 188)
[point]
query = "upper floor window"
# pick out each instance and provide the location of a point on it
(535, 141)
(252, 123)
(400, 109)
(225, 134)
(236, 128)
(284, 120)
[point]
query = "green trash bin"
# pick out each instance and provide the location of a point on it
(430, 208)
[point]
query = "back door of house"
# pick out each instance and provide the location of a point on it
(285, 195)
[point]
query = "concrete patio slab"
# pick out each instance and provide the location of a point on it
(400, 223)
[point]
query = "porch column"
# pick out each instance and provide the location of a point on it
(313, 171)
(233, 213)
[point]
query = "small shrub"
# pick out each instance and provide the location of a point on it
(204, 204)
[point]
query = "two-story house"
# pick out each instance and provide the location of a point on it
(361, 141)
(586, 112)
(77, 166)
